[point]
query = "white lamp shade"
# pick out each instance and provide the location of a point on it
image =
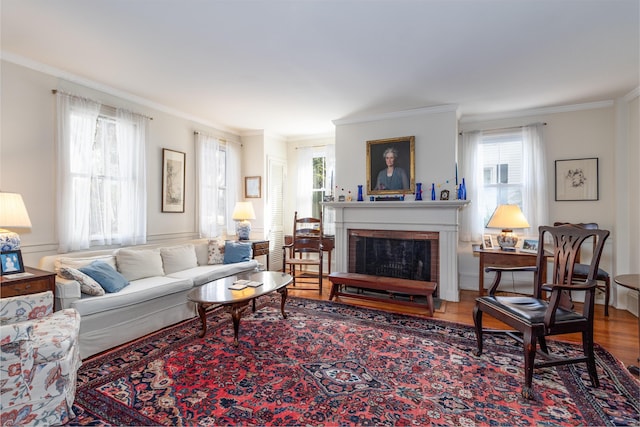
(508, 217)
(13, 213)
(243, 211)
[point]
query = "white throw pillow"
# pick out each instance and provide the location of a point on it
(216, 251)
(178, 258)
(136, 264)
(80, 262)
(87, 284)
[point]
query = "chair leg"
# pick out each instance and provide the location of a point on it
(607, 295)
(477, 321)
(529, 344)
(587, 347)
(543, 345)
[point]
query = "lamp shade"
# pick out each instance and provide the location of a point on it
(508, 217)
(13, 214)
(242, 212)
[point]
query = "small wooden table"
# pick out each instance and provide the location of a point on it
(36, 281)
(218, 293)
(631, 281)
(500, 258)
(259, 247)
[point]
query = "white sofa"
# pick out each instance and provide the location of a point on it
(155, 297)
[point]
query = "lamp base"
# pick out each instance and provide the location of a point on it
(9, 241)
(243, 230)
(507, 240)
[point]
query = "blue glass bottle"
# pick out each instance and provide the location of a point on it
(433, 191)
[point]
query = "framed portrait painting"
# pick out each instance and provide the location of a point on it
(173, 173)
(577, 179)
(391, 165)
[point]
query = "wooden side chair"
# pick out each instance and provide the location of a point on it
(533, 318)
(580, 271)
(303, 258)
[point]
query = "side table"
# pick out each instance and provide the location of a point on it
(500, 258)
(36, 281)
(260, 247)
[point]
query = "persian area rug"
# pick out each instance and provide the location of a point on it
(331, 364)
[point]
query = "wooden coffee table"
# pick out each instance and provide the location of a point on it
(235, 301)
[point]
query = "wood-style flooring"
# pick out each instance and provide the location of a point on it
(618, 333)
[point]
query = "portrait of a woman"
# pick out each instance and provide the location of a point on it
(392, 177)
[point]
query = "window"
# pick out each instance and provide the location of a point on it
(320, 187)
(101, 174)
(501, 156)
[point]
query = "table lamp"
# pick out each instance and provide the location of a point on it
(13, 214)
(242, 213)
(507, 217)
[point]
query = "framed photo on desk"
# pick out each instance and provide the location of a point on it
(487, 242)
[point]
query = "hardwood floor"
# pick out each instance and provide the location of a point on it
(618, 333)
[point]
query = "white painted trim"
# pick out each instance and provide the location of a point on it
(538, 111)
(397, 114)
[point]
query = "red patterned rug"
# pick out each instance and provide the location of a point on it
(332, 364)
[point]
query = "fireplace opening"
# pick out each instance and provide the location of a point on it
(410, 255)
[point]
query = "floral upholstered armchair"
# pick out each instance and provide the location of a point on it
(39, 360)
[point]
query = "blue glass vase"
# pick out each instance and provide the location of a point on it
(360, 197)
(418, 191)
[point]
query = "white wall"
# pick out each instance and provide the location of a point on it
(28, 155)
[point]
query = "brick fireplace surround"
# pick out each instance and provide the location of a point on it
(439, 217)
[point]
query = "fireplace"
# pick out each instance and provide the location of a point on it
(394, 253)
(435, 221)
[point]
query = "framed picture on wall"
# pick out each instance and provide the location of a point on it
(391, 165)
(577, 179)
(252, 186)
(173, 172)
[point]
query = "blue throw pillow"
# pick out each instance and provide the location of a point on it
(236, 252)
(110, 280)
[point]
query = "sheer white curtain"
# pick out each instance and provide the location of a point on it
(77, 118)
(207, 177)
(470, 167)
(234, 184)
(534, 197)
(304, 185)
(131, 137)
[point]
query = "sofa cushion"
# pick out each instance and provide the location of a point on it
(137, 264)
(87, 284)
(178, 258)
(207, 273)
(77, 262)
(236, 252)
(215, 251)
(137, 292)
(110, 280)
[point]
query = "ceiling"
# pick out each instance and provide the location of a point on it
(292, 67)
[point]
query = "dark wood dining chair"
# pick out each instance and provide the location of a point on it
(533, 318)
(580, 270)
(303, 258)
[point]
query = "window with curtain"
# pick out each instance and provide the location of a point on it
(101, 175)
(503, 167)
(216, 195)
(315, 180)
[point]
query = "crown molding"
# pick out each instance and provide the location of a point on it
(538, 111)
(632, 95)
(398, 114)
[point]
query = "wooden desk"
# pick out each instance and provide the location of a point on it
(631, 281)
(500, 258)
(38, 281)
(328, 244)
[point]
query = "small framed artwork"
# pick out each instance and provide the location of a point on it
(391, 166)
(252, 187)
(487, 242)
(173, 172)
(11, 262)
(530, 246)
(577, 179)
(444, 195)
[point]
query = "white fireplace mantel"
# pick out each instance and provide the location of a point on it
(439, 216)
